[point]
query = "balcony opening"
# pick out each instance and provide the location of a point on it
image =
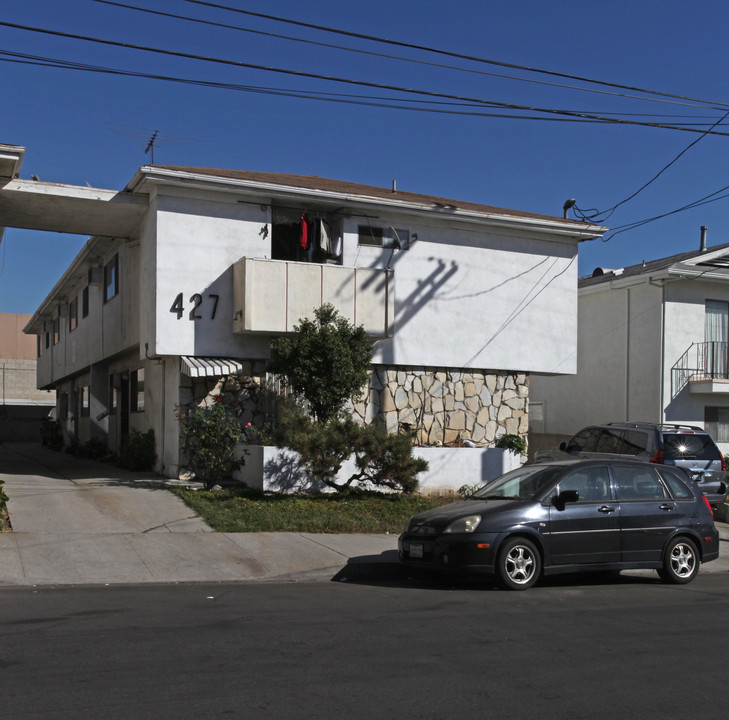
(305, 236)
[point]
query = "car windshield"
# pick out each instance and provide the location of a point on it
(522, 484)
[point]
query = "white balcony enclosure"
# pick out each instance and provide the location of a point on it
(271, 296)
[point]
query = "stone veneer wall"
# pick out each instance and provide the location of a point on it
(243, 393)
(448, 407)
(443, 407)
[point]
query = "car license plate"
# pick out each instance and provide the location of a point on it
(416, 550)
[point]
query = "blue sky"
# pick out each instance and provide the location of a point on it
(82, 127)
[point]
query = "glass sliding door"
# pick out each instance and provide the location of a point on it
(716, 334)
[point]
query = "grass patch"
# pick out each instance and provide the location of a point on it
(4, 517)
(242, 510)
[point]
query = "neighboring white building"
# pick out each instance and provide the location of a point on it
(652, 347)
(189, 273)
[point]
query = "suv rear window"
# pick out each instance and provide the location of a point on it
(584, 441)
(682, 446)
(634, 442)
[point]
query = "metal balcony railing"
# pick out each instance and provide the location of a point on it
(702, 361)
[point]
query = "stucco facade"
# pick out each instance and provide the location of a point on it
(449, 290)
(641, 332)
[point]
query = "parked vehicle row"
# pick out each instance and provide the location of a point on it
(687, 447)
(569, 516)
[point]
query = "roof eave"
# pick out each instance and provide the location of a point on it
(679, 271)
(556, 226)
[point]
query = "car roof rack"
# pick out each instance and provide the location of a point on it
(661, 426)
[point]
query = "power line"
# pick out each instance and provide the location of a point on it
(601, 217)
(449, 53)
(349, 81)
(710, 198)
(349, 99)
(388, 56)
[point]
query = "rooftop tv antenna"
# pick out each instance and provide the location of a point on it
(150, 145)
(150, 139)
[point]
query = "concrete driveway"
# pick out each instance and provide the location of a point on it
(82, 522)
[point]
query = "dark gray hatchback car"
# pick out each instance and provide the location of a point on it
(688, 447)
(569, 516)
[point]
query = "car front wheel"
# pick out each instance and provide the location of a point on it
(519, 564)
(680, 562)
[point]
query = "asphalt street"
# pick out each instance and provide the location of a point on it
(569, 649)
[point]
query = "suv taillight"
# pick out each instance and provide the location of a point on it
(658, 458)
(708, 505)
(723, 463)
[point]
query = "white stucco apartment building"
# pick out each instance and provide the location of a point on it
(189, 273)
(652, 347)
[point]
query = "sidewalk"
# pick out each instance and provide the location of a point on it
(72, 526)
(78, 522)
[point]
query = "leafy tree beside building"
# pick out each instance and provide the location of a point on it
(326, 363)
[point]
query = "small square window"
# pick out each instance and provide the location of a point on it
(56, 330)
(389, 238)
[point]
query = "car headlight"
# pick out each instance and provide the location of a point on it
(464, 525)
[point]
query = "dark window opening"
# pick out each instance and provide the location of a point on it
(305, 237)
(63, 406)
(73, 314)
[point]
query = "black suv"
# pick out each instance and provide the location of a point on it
(685, 446)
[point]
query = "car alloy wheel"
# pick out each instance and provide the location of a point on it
(681, 562)
(519, 564)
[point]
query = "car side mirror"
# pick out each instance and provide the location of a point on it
(566, 496)
(563, 446)
(722, 488)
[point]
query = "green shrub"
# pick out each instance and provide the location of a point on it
(512, 442)
(465, 491)
(210, 437)
(138, 452)
(326, 361)
(383, 460)
(4, 517)
(93, 449)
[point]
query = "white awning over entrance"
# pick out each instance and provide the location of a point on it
(209, 367)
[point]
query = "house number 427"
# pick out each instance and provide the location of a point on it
(197, 301)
